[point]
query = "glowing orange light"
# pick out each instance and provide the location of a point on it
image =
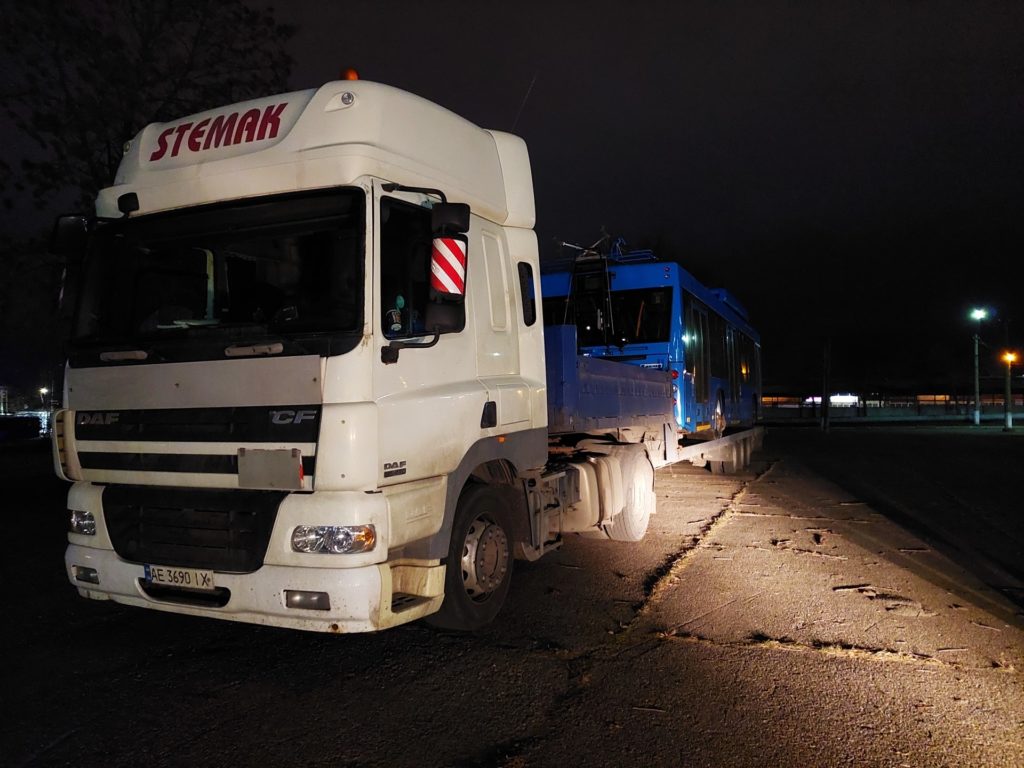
(1010, 357)
(349, 73)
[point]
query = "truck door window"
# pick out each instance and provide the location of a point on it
(527, 292)
(405, 301)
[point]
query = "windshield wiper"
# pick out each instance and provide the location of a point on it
(123, 355)
(189, 324)
(254, 350)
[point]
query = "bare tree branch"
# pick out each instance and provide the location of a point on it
(82, 78)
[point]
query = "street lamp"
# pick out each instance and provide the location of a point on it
(1009, 358)
(43, 391)
(977, 315)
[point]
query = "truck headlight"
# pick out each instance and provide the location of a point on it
(82, 522)
(334, 539)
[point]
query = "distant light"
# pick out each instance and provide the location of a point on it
(43, 391)
(349, 73)
(1010, 357)
(979, 314)
(844, 401)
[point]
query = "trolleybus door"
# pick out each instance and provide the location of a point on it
(700, 361)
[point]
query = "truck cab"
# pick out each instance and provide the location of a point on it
(279, 387)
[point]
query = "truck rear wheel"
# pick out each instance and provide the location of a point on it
(638, 484)
(479, 562)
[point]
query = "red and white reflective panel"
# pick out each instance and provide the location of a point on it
(448, 266)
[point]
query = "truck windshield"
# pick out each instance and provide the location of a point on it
(277, 266)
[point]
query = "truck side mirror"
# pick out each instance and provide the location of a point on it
(449, 223)
(448, 268)
(449, 218)
(69, 234)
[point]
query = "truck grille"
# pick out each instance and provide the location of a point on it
(212, 529)
(143, 447)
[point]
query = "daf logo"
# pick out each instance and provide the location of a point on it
(393, 468)
(292, 417)
(111, 417)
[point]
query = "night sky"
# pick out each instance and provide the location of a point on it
(851, 171)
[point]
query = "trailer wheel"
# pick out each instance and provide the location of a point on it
(479, 562)
(638, 481)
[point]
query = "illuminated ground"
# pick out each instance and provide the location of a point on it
(772, 618)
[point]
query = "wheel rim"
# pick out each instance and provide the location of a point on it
(484, 558)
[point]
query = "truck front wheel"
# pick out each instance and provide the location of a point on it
(479, 566)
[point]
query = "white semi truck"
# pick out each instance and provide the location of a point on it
(308, 384)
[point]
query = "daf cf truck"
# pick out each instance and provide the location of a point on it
(308, 383)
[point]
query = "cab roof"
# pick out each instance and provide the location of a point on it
(329, 136)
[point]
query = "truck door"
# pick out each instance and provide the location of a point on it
(429, 399)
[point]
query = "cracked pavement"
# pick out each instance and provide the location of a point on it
(828, 573)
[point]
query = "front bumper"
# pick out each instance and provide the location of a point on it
(363, 599)
(366, 591)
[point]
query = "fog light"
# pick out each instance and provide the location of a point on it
(313, 601)
(334, 539)
(85, 574)
(82, 522)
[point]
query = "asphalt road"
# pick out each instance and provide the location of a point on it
(854, 598)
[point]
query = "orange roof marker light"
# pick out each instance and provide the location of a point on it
(349, 73)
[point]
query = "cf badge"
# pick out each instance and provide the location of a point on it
(292, 417)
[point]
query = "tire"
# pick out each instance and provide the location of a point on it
(480, 560)
(638, 486)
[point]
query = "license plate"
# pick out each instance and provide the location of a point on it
(182, 578)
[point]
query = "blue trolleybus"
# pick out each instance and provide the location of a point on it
(632, 308)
